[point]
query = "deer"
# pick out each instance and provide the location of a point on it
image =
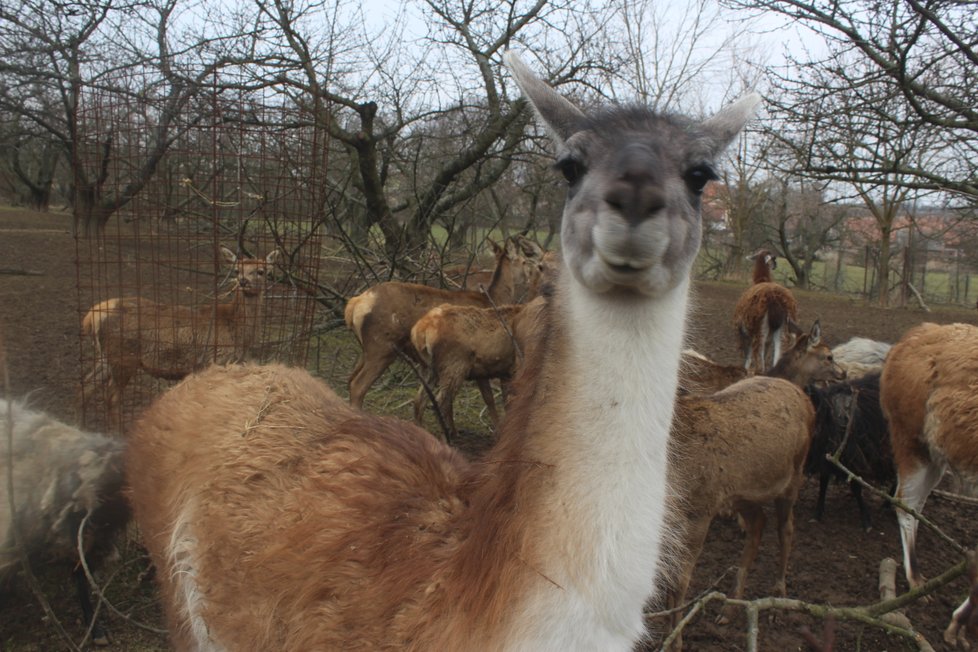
(734, 452)
(381, 318)
(764, 314)
(169, 341)
(459, 343)
(928, 399)
(354, 531)
(807, 361)
(741, 447)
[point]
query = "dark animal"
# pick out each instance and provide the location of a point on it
(867, 453)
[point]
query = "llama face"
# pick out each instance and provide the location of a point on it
(631, 222)
(632, 219)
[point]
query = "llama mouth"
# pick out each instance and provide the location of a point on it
(623, 265)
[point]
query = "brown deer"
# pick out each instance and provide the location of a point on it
(738, 449)
(807, 361)
(169, 341)
(459, 343)
(734, 452)
(382, 317)
(280, 518)
(927, 393)
(765, 313)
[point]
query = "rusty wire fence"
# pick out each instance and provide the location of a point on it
(214, 259)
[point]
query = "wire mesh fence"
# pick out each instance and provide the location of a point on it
(212, 258)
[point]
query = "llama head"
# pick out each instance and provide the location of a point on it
(635, 178)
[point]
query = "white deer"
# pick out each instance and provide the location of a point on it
(282, 518)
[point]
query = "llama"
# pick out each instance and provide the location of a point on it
(734, 452)
(60, 476)
(382, 317)
(861, 356)
(459, 343)
(170, 341)
(352, 531)
(764, 314)
(928, 398)
(867, 452)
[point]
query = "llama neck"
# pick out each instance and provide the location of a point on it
(762, 272)
(592, 493)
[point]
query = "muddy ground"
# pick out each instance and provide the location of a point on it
(834, 562)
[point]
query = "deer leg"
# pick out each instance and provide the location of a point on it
(446, 405)
(751, 519)
(117, 380)
(913, 488)
(428, 383)
(485, 388)
(695, 536)
(367, 373)
(785, 510)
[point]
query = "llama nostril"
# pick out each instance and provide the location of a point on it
(635, 198)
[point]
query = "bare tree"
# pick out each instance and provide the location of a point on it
(920, 56)
(150, 52)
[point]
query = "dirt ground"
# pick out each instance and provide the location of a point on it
(834, 562)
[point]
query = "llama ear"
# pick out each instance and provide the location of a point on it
(730, 120)
(556, 112)
(229, 255)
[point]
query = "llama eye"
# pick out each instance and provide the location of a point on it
(571, 169)
(697, 177)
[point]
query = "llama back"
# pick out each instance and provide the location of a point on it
(285, 455)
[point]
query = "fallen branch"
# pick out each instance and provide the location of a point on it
(12, 271)
(920, 299)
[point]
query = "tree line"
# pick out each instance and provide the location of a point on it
(427, 135)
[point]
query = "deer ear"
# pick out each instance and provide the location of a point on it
(496, 249)
(272, 256)
(229, 255)
(529, 247)
(815, 336)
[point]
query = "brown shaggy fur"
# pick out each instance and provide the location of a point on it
(764, 309)
(927, 392)
(209, 454)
